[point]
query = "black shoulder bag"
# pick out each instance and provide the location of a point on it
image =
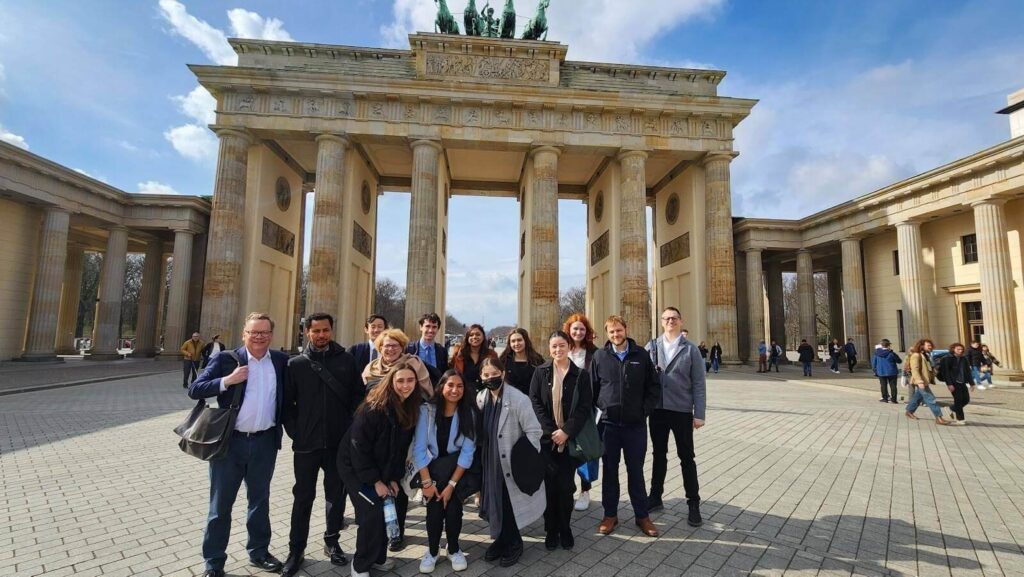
(206, 432)
(325, 376)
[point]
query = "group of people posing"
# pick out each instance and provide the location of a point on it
(389, 417)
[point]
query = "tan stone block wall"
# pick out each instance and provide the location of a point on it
(883, 290)
(603, 279)
(19, 235)
(943, 256)
(525, 236)
(357, 271)
(683, 284)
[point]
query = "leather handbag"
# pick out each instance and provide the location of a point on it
(587, 445)
(206, 431)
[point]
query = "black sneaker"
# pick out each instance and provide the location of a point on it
(551, 541)
(512, 557)
(493, 553)
(335, 554)
(694, 519)
(654, 504)
(396, 544)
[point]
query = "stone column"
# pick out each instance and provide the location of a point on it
(636, 294)
(327, 243)
(175, 330)
(149, 296)
(46, 294)
(755, 300)
(776, 303)
(107, 329)
(221, 285)
(805, 296)
(998, 306)
(855, 311)
(69, 300)
(721, 266)
(420, 293)
(912, 287)
(544, 312)
(836, 326)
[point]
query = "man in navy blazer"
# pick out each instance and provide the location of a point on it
(431, 353)
(365, 352)
(253, 444)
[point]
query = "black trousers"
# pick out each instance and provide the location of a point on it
(663, 422)
(851, 361)
(371, 536)
(509, 538)
(961, 398)
(307, 467)
(448, 519)
(888, 385)
(559, 486)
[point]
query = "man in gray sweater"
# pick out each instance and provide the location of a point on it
(680, 410)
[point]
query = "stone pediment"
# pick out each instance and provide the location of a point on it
(499, 60)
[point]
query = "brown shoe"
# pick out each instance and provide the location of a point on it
(647, 527)
(941, 421)
(911, 416)
(608, 524)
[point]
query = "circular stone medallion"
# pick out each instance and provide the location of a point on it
(672, 209)
(366, 197)
(599, 206)
(283, 194)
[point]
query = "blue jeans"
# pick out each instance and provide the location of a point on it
(835, 362)
(982, 377)
(807, 368)
(631, 441)
(714, 364)
(976, 373)
(925, 396)
(250, 459)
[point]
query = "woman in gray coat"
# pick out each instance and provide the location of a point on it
(507, 415)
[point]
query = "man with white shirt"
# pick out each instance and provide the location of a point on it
(679, 410)
(253, 444)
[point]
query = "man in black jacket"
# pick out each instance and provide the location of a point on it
(626, 388)
(320, 395)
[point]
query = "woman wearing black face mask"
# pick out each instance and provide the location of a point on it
(507, 416)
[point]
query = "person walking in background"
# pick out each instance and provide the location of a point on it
(716, 356)
(762, 357)
(806, 352)
(851, 354)
(921, 378)
(581, 352)
(988, 364)
(679, 410)
(191, 353)
(365, 352)
(520, 359)
(445, 432)
(556, 384)
(703, 348)
(212, 348)
(371, 461)
(886, 365)
(774, 354)
(956, 370)
(974, 357)
(467, 356)
(834, 350)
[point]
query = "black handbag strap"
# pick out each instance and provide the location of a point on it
(325, 375)
(236, 398)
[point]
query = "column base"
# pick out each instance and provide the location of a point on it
(68, 351)
(38, 358)
(143, 354)
(104, 357)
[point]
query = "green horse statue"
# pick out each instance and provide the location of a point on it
(471, 19)
(537, 27)
(508, 20)
(445, 23)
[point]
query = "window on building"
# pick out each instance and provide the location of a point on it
(974, 320)
(895, 263)
(969, 246)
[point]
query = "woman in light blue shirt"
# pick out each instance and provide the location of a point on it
(442, 452)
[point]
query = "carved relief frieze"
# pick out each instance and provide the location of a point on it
(344, 107)
(442, 113)
(622, 123)
(677, 127)
(471, 116)
(501, 116)
(486, 67)
(277, 237)
(376, 110)
(599, 249)
(410, 112)
(312, 106)
(361, 240)
(533, 118)
(281, 104)
(243, 102)
(652, 125)
(592, 120)
(675, 250)
(562, 120)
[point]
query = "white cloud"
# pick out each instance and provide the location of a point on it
(587, 26)
(11, 138)
(246, 24)
(212, 41)
(198, 105)
(193, 141)
(154, 187)
(92, 176)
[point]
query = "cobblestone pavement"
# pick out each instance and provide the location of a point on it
(798, 479)
(15, 377)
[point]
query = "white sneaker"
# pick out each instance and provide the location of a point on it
(355, 573)
(583, 501)
(981, 387)
(428, 563)
(458, 560)
(387, 565)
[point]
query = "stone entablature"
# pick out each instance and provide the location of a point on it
(996, 172)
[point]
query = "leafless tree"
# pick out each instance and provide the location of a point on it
(791, 304)
(390, 301)
(573, 300)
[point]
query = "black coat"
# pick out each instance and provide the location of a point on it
(361, 353)
(374, 449)
(317, 415)
(956, 369)
(540, 395)
(974, 356)
(626, 391)
(440, 354)
(806, 353)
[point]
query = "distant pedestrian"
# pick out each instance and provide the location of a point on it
(703, 348)
(886, 364)
(988, 364)
(762, 357)
(851, 354)
(834, 350)
(921, 378)
(191, 354)
(212, 348)
(774, 354)
(974, 357)
(716, 356)
(806, 352)
(955, 369)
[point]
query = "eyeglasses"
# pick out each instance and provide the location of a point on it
(391, 346)
(670, 319)
(260, 333)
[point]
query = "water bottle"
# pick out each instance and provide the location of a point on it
(391, 518)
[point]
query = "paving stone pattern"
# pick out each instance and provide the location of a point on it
(798, 479)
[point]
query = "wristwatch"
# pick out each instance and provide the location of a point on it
(452, 483)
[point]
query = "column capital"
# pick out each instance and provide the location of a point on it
(910, 222)
(226, 131)
(53, 208)
(340, 138)
(751, 249)
(851, 238)
(629, 153)
(803, 251)
(719, 156)
(188, 231)
(117, 227)
(426, 142)
(992, 200)
(545, 148)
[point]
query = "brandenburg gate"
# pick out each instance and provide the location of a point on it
(461, 115)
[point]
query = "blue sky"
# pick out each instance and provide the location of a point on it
(853, 96)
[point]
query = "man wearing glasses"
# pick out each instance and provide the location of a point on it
(680, 410)
(253, 445)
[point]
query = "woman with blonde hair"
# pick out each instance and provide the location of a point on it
(391, 343)
(921, 378)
